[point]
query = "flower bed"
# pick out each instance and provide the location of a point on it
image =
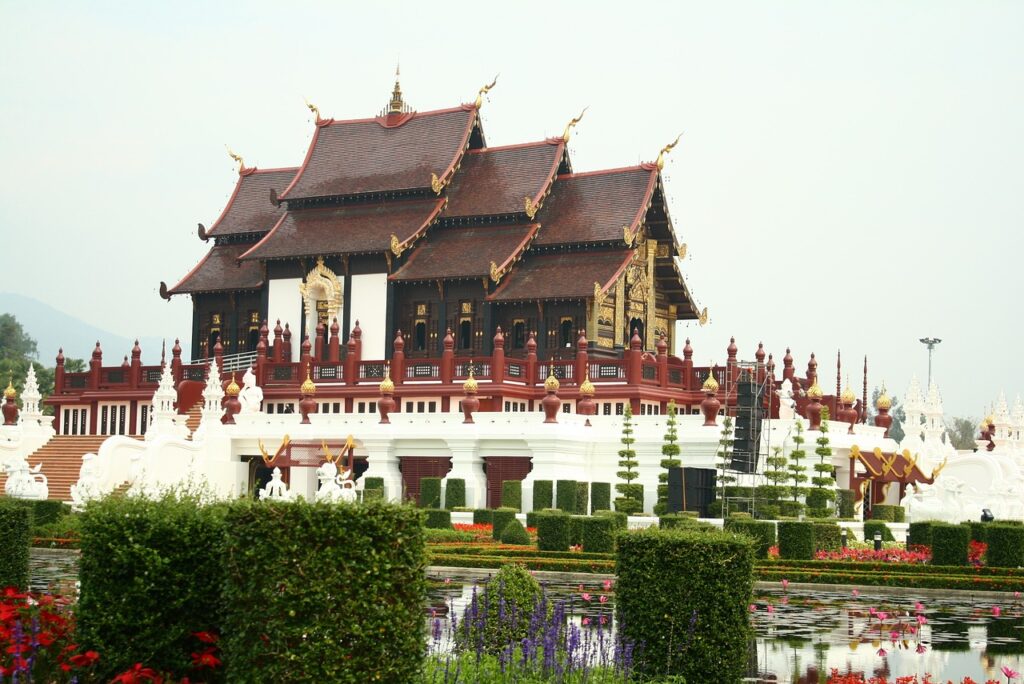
(895, 578)
(581, 564)
(904, 569)
(859, 678)
(890, 555)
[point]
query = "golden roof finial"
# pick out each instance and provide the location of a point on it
(552, 384)
(308, 387)
(387, 385)
(572, 123)
(814, 392)
(470, 385)
(483, 91)
(848, 396)
(313, 108)
(710, 385)
(232, 389)
(10, 392)
(883, 401)
(237, 158)
(587, 388)
(397, 104)
(665, 150)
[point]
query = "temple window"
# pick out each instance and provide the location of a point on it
(253, 333)
(518, 333)
(565, 331)
(421, 335)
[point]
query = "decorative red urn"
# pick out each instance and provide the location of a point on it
(551, 403)
(814, 407)
(386, 403)
(470, 403)
(231, 404)
(883, 404)
(307, 404)
(710, 405)
(586, 406)
(10, 408)
(848, 414)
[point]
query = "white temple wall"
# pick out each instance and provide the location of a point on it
(284, 303)
(369, 292)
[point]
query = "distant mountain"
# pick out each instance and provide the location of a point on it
(52, 329)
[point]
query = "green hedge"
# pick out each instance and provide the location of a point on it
(600, 496)
(1005, 546)
(15, 539)
(582, 498)
(373, 495)
(513, 593)
(531, 519)
(696, 628)
(817, 502)
(324, 592)
(512, 494)
(791, 509)
(844, 502)
(620, 518)
(827, 536)
(447, 536)
(597, 534)
(373, 483)
(515, 533)
(553, 533)
(920, 533)
(151, 574)
(438, 519)
(575, 530)
(761, 531)
(872, 526)
(48, 511)
(483, 516)
(796, 540)
(543, 494)
(454, 493)
(677, 520)
(979, 530)
(430, 492)
(565, 495)
(888, 513)
(500, 518)
(949, 544)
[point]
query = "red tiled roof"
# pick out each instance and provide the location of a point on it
(221, 270)
(496, 180)
(466, 252)
(347, 229)
(561, 275)
(385, 153)
(594, 206)
(249, 210)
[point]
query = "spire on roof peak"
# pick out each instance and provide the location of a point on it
(397, 105)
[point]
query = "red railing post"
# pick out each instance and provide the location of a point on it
(58, 373)
(136, 371)
(634, 370)
(95, 364)
(351, 360)
(278, 331)
(531, 359)
(688, 383)
(498, 358)
(261, 354)
(662, 346)
(398, 359)
(176, 361)
(334, 345)
(582, 358)
(447, 358)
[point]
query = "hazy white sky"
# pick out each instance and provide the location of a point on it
(850, 177)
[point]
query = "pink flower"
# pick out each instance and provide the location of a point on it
(894, 636)
(784, 600)
(881, 616)
(912, 629)
(770, 608)
(871, 610)
(1016, 594)
(996, 611)
(1009, 672)
(607, 584)
(855, 593)
(753, 608)
(447, 580)
(580, 587)
(921, 648)
(585, 596)
(604, 620)
(882, 652)
(603, 599)
(785, 583)
(919, 607)
(586, 621)
(921, 619)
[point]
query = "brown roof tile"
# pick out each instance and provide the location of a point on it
(561, 275)
(221, 270)
(348, 229)
(249, 210)
(593, 207)
(373, 155)
(466, 252)
(496, 180)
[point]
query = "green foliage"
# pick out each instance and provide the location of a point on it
(575, 530)
(543, 494)
(515, 533)
(888, 513)
(373, 495)
(962, 432)
(620, 518)
(500, 518)
(582, 498)
(678, 520)
(565, 496)
(48, 511)
(776, 473)
(791, 509)
(762, 532)
(724, 456)
(430, 492)
(438, 518)
(949, 544)
(553, 533)
(512, 494)
(827, 536)
(823, 480)
(483, 516)
(670, 450)
(817, 502)
(454, 493)
(512, 592)
(597, 534)
(531, 519)
(373, 483)
(696, 628)
(151, 574)
(600, 496)
(844, 503)
(1005, 546)
(797, 471)
(872, 526)
(631, 497)
(448, 535)
(920, 533)
(796, 540)
(323, 592)
(979, 530)
(15, 539)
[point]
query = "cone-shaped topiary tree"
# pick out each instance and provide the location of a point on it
(631, 496)
(725, 459)
(670, 450)
(824, 482)
(796, 469)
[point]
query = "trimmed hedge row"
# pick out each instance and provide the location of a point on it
(454, 493)
(438, 519)
(565, 495)
(600, 496)
(903, 568)
(430, 492)
(949, 544)
(827, 536)
(553, 530)
(1005, 546)
(920, 533)
(762, 532)
(500, 518)
(543, 494)
(575, 564)
(512, 495)
(768, 573)
(515, 533)
(620, 518)
(582, 498)
(493, 550)
(796, 540)
(597, 534)
(888, 513)
(15, 539)
(872, 526)
(483, 516)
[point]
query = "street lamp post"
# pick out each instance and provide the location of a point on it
(930, 342)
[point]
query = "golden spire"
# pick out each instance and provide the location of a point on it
(470, 385)
(10, 392)
(232, 389)
(814, 392)
(710, 385)
(483, 91)
(397, 104)
(387, 386)
(883, 401)
(308, 387)
(572, 123)
(587, 388)
(237, 158)
(665, 150)
(552, 384)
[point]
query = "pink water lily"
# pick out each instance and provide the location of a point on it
(604, 620)
(881, 615)
(882, 652)
(1009, 672)
(785, 583)
(912, 629)
(586, 621)
(921, 648)
(447, 580)
(921, 619)
(603, 599)
(996, 611)
(585, 596)
(770, 608)
(919, 607)
(753, 608)
(607, 584)
(855, 593)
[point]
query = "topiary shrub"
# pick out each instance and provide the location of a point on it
(531, 519)
(1005, 546)
(515, 533)
(600, 496)
(844, 502)
(430, 492)
(888, 513)
(454, 493)
(796, 540)
(500, 613)
(582, 498)
(543, 494)
(438, 519)
(151, 574)
(790, 509)
(15, 540)
(817, 502)
(565, 495)
(761, 531)
(767, 511)
(620, 518)
(920, 533)
(979, 530)
(512, 494)
(872, 526)
(483, 516)
(575, 530)
(354, 622)
(373, 495)
(676, 520)
(697, 628)
(949, 544)
(827, 536)
(47, 511)
(553, 533)
(373, 483)
(500, 519)
(597, 534)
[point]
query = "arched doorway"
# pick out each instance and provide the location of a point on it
(322, 295)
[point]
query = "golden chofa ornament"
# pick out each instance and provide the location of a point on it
(307, 386)
(387, 386)
(883, 401)
(848, 396)
(232, 389)
(552, 384)
(10, 392)
(815, 391)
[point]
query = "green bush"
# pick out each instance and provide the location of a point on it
(48, 511)
(817, 502)
(767, 511)
(600, 496)
(438, 519)
(512, 494)
(553, 533)
(15, 539)
(872, 526)
(677, 520)
(827, 536)
(323, 593)
(979, 530)
(565, 495)
(543, 494)
(151, 574)
(761, 531)
(597, 534)
(844, 502)
(515, 533)
(454, 493)
(632, 500)
(620, 518)
(888, 513)
(500, 519)
(430, 492)
(373, 495)
(531, 519)
(582, 498)
(949, 544)
(796, 540)
(575, 530)
(448, 535)
(920, 533)
(483, 516)
(373, 483)
(791, 509)
(696, 628)
(512, 593)
(1005, 546)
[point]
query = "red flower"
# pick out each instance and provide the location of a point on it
(87, 659)
(206, 637)
(137, 674)
(205, 659)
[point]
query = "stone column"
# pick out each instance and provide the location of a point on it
(554, 458)
(383, 463)
(468, 465)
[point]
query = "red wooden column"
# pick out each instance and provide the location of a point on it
(398, 359)
(447, 358)
(334, 345)
(319, 347)
(95, 364)
(218, 353)
(634, 372)
(306, 358)
(357, 335)
(58, 373)
(351, 360)
(531, 359)
(662, 346)
(135, 377)
(688, 379)
(498, 358)
(261, 353)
